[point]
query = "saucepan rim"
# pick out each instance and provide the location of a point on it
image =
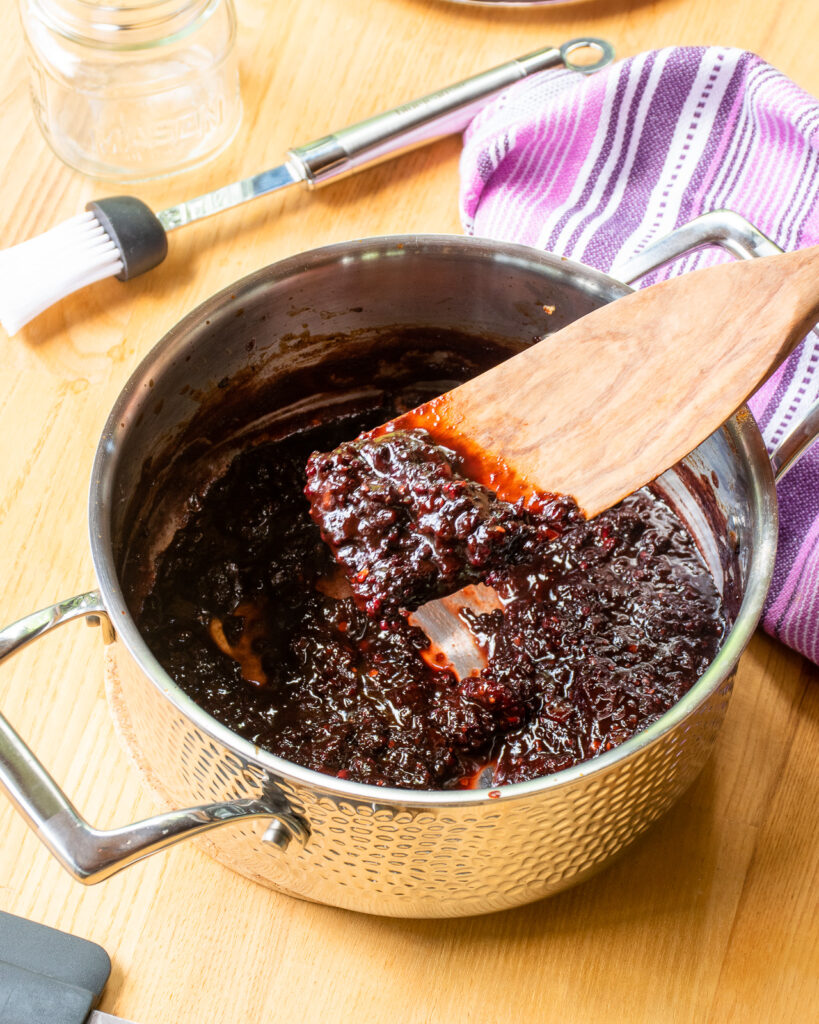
(743, 434)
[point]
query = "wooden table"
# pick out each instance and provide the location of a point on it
(711, 917)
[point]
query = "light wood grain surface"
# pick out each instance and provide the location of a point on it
(711, 917)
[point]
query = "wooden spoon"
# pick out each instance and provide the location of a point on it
(605, 405)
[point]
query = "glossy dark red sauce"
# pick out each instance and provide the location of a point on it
(406, 526)
(487, 468)
(600, 630)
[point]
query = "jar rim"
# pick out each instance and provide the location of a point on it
(126, 24)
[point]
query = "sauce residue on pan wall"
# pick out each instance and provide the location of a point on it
(596, 636)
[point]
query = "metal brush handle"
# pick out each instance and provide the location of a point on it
(432, 117)
(386, 135)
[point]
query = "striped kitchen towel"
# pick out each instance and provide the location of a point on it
(597, 168)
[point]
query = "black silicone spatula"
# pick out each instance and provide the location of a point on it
(48, 976)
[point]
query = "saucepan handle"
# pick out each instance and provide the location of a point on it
(738, 236)
(91, 854)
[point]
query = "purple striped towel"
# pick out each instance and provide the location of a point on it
(596, 168)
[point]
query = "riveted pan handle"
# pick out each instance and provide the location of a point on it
(91, 854)
(738, 236)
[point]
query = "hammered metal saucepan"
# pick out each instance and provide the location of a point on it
(385, 851)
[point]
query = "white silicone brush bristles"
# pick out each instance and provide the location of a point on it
(39, 272)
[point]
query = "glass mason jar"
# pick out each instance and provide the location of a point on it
(133, 89)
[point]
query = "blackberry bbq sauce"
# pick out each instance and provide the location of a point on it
(294, 630)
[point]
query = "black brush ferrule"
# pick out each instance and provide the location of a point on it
(136, 231)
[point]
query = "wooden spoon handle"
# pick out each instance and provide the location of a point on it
(611, 401)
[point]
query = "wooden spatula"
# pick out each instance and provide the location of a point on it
(611, 401)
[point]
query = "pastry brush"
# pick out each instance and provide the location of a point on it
(122, 237)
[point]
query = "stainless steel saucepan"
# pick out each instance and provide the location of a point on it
(385, 851)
